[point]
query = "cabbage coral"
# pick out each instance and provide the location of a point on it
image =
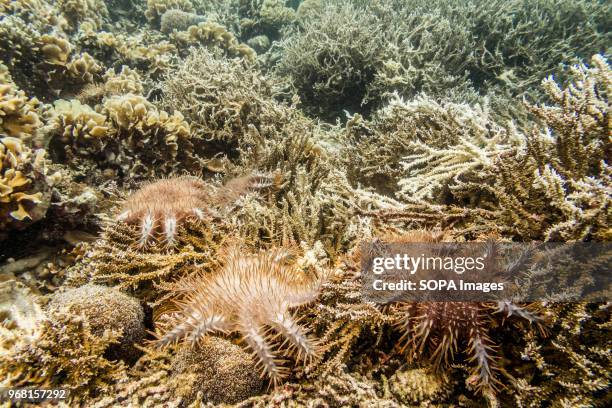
(23, 189)
(19, 115)
(212, 34)
(114, 139)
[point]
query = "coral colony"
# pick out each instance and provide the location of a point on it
(188, 189)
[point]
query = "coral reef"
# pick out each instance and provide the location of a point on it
(214, 35)
(275, 13)
(183, 182)
(156, 8)
(418, 385)
(248, 295)
(337, 61)
(570, 368)
(19, 115)
(229, 99)
(78, 11)
(109, 140)
(177, 20)
(20, 314)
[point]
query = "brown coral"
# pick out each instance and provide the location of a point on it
(178, 20)
(23, 187)
(66, 354)
(249, 295)
(213, 34)
(106, 309)
(128, 137)
(156, 8)
(19, 115)
(222, 372)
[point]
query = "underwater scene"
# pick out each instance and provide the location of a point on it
(212, 203)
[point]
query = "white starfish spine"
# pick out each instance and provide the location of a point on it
(199, 213)
(147, 229)
(170, 230)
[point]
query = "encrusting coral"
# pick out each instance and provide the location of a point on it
(251, 293)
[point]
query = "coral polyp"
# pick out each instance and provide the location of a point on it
(253, 295)
(159, 208)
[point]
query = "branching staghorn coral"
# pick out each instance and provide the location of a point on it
(333, 59)
(572, 366)
(375, 148)
(551, 184)
(340, 389)
(116, 259)
(351, 56)
(344, 318)
(249, 295)
(223, 99)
